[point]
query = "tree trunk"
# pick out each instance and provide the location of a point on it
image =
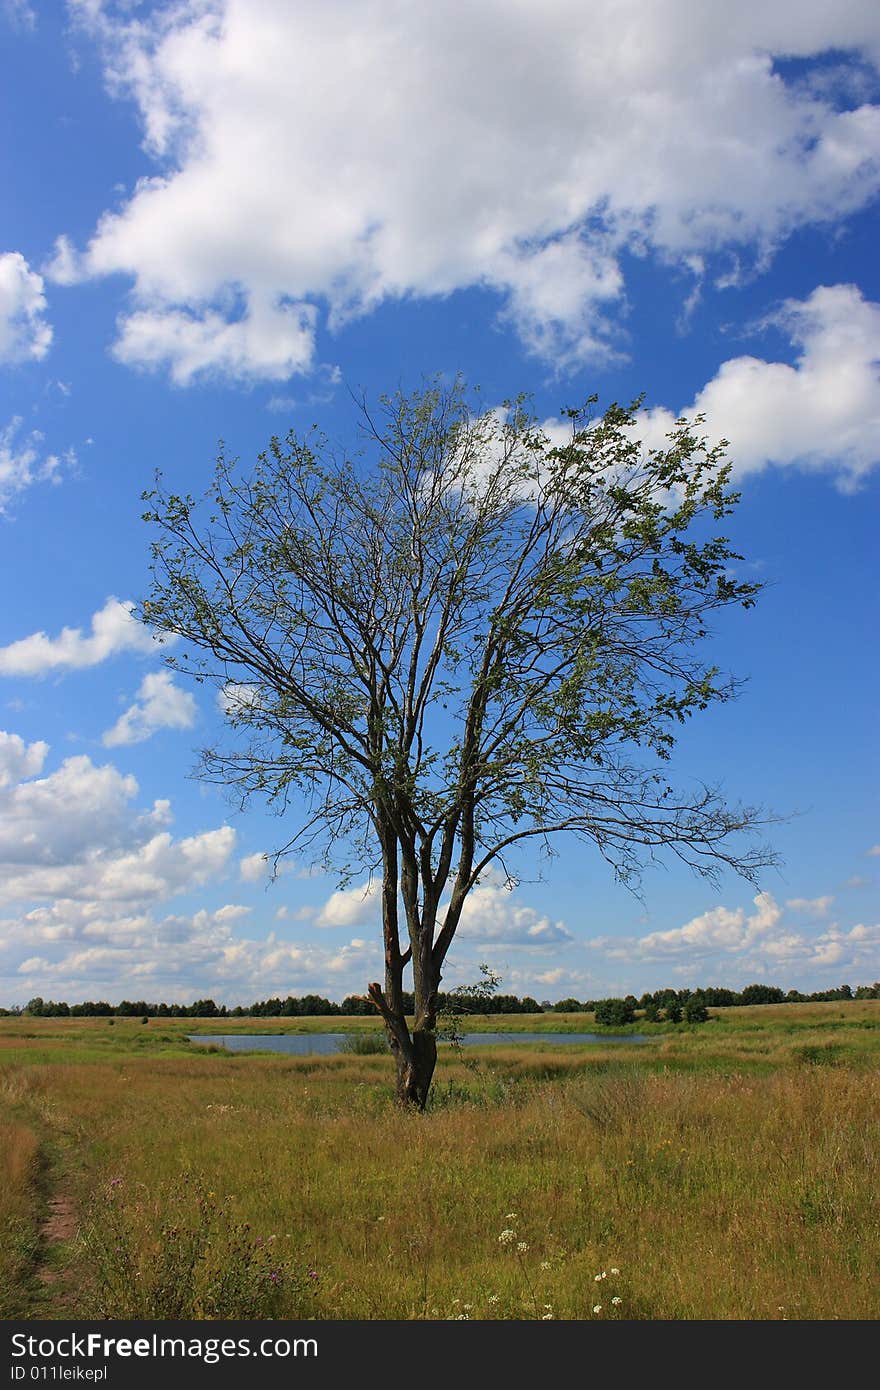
(415, 1071)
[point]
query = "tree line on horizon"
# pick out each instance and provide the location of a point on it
(315, 1005)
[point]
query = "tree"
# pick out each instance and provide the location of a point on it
(615, 1012)
(469, 636)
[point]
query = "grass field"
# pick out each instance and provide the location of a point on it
(721, 1171)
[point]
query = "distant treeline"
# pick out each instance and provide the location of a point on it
(315, 1004)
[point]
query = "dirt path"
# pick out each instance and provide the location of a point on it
(59, 1225)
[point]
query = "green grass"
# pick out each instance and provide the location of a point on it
(727, 1171)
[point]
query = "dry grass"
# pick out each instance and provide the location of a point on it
(728, 1173)
(19, 1213)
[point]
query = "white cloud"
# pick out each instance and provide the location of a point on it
(75, 836)
(160, 704)
(874, 850)
(236, 698)
(716, 929)
(821, 413)
(811, 907)
(19, 760)
(114, 630)
(307, 913)
(345, 154)
(253, 868)
(23, 462)
(206, 959)
(269, 342)
(752, 945)
(25, 336)
(492, 913)
(349, 907)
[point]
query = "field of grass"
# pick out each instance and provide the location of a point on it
(725, 1171)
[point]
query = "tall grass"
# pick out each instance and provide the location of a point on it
(19, 1214)
(723, 1173)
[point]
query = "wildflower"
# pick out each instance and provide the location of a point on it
(523, 1246)
(511, 1216)
(493, 1298)
(598, 1277)
(507, 1236)
(614, 1271)
(597, 1307)
(467, 1307)
(545, 1264)
(617, 1302)
(548, 1317)
(313, 1274)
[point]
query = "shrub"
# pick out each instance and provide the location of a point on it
(695, 1010)
(616, 1012)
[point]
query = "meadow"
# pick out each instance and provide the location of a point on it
(727, 1170)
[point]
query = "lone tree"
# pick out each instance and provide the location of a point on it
(470, 635)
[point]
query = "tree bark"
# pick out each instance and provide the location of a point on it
(415, 1053)
(415, 1072)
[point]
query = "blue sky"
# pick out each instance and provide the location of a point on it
(219, 216)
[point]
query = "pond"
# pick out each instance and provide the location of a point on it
(323, 1044)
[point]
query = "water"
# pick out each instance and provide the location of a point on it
(323, 1044)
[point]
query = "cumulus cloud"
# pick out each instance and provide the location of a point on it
(75, 835)
(23, 462)
(349, 907)
(270, 342)
(717, 928)
(114, 630)
(18, 759)
(25, 336)
(337, 155)
(207, 959)
(752, 944)
(160, 704)
(821, 413)
(253, 868)
(87, 871)
(492, 913)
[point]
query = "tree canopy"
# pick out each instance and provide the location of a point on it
(473, 633)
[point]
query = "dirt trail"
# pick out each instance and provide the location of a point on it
(59, 1225)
